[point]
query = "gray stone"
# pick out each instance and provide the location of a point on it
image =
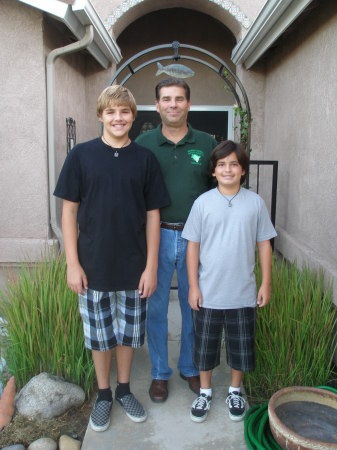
(14, 447)
(68, 443)
(43, 444)
(46, 396)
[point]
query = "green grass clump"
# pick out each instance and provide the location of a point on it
(296, 332)
(43, 326)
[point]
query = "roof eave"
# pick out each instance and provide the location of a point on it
(76, 16)
(274, 18)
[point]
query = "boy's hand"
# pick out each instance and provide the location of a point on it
(194, 298)
(148, 283)
(263, 295)
(76, 279)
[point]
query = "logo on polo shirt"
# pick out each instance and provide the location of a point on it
(196, 156)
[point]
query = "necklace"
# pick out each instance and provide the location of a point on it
(229, 200)
(116, 154)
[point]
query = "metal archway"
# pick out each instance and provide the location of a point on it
(222, 69)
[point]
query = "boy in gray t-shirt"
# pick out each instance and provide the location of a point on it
(224, 226)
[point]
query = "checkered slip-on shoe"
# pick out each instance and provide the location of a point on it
(100, 415)
(133, 409)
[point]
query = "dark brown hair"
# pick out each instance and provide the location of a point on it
(173, 82)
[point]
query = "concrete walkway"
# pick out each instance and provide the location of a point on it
(168, 425)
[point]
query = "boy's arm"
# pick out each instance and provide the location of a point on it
(192, 260)
(265, 255)
(148, 280)
(76, 277)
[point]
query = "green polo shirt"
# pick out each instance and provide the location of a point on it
(184, 166)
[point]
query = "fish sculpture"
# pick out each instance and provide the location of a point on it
(175, 70)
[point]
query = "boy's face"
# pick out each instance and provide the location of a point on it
(228, 173)
(117, 121)
(173, 106)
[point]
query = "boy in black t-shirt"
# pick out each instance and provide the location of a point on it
(112, 190)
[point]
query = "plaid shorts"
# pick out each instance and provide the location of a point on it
(239, 327)
(112, 318)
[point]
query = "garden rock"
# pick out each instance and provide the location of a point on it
(68, 443)
(46, 396)
(43, 444)
(14, 447)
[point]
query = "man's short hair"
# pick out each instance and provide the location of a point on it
(118, 96)
(173, 82)
(224, 149)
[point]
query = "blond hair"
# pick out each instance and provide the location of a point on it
(117, 96)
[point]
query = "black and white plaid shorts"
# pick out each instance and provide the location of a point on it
(112, 318)
(239, 327)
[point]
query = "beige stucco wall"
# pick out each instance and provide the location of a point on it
(28, 36)
(300, 132)
(24, 225)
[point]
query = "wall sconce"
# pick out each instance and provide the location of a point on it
(71, 133)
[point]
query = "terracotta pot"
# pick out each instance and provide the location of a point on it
(304, 418)
(7, 403)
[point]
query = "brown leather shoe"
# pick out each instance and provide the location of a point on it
(193, 383)
(158, 391)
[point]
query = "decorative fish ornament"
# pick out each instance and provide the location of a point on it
(175, 70)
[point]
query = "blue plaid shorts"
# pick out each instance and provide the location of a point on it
(112, 318)
(238, 327)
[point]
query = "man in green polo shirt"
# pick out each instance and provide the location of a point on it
(183, 154)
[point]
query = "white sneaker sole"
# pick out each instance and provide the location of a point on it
(99, 428)
(237, 418)
(136, 419)
(198, 419)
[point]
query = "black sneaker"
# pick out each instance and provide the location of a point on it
(199, 408)
(236, 405)
(100, 415)
(133, 409)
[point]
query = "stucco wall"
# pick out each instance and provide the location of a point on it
(300, 131)
(24, 225)
(28, 36)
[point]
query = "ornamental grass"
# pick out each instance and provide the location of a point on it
(43, 328)
(296, 332)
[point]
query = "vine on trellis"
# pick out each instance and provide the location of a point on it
(242, 115)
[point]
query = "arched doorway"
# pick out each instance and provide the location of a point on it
(212, 62)
(201, 56)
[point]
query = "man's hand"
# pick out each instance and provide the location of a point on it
(76, 279)
(147, 283)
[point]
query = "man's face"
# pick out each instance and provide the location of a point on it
(173, 106)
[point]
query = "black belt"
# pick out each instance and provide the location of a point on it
(172, 226)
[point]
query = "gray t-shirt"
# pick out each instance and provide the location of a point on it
(228, 237)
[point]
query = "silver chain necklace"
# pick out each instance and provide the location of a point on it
(229, 200)
(116, 154)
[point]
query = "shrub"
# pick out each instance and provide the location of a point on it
(296, 332)
(44, 330)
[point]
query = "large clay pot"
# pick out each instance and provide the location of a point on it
(7, 403)
(304, 418)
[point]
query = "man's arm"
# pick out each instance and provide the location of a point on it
(192, 260)
(265, 255)
(76, 277)
(148, 280)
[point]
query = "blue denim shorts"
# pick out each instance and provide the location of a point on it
(238, 327)
(112, 318)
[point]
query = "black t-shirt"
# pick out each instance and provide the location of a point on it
(114, 194)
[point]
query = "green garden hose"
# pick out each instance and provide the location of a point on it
(257, 431)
